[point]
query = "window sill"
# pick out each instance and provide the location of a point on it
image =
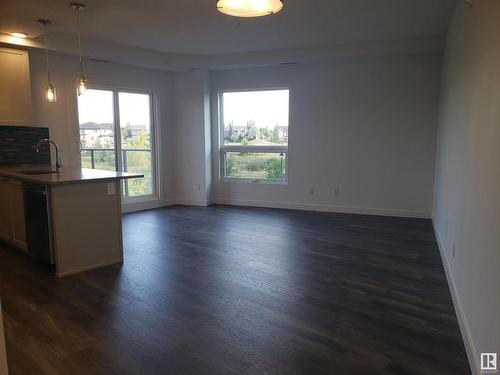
(254, 181)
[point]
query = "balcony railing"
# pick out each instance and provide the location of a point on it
(133, 160)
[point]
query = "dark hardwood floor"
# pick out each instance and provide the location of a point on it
(228, 290)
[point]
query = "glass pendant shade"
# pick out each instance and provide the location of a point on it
(50, 93)
(82, 82)
(249, 8)
(82, 86)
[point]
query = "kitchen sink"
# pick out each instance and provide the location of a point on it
(36, 171)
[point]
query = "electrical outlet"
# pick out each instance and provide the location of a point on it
(110, 187)
(336, 192)
(453, 251)
(310, 190)
(198, 187)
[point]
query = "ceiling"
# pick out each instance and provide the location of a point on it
(196, 27)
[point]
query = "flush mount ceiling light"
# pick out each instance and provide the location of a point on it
(82, 82)
(50, 91)
(249, 8)
(19, 35)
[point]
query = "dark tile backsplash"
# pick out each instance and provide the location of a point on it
(18, 145)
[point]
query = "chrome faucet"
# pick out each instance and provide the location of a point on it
(48, 141)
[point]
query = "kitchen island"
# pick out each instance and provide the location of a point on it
(71, 219)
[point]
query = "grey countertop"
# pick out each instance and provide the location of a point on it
(70, 175)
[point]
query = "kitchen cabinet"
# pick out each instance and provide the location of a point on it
(15, 87)
(17, 212)
(3, 354)
(5, 222)
(73, 219)
(12, 220)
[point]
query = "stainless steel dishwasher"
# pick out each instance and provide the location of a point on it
(38, 223)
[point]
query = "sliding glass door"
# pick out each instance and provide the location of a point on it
(97, 130)
(135, 142)
(116, 133)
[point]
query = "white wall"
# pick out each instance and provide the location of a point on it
(467, 195)
(61, 117)
(192, 134)
(365, 126)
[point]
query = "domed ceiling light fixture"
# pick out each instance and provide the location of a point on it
(19, 35)
(249, 8)
(82, 82)
(50, 91)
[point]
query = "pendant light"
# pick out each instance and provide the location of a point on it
(249, 8)
(50, 91)
(82, 82)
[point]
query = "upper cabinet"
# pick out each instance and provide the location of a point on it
(15, 88)
(12, 222)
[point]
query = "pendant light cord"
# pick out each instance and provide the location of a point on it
(44, 23)
(77, 9)
(46, 52)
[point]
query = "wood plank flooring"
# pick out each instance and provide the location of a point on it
(231, 290)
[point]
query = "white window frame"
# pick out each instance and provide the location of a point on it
(155, 194)
(223, 150)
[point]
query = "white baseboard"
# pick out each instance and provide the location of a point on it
(325, 208)
(470, 347)
(192, 202)
(133, 207)
(146, 205)
(149, 205)
(88, 268)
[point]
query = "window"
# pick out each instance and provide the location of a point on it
(116, 134)
(254, 134)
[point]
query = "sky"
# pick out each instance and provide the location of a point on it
(97, 106)
(267, 108)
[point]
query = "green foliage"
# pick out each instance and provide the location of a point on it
(230, 133)
(105, 160)
(253, 134)
(251, 131)
(139, 162)
(231, 167)
(140, 140)
(255, 165)
(275, 135)
(136, 160)
(264, 133)
(103, 142)
(274, 169)
(127, 133)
